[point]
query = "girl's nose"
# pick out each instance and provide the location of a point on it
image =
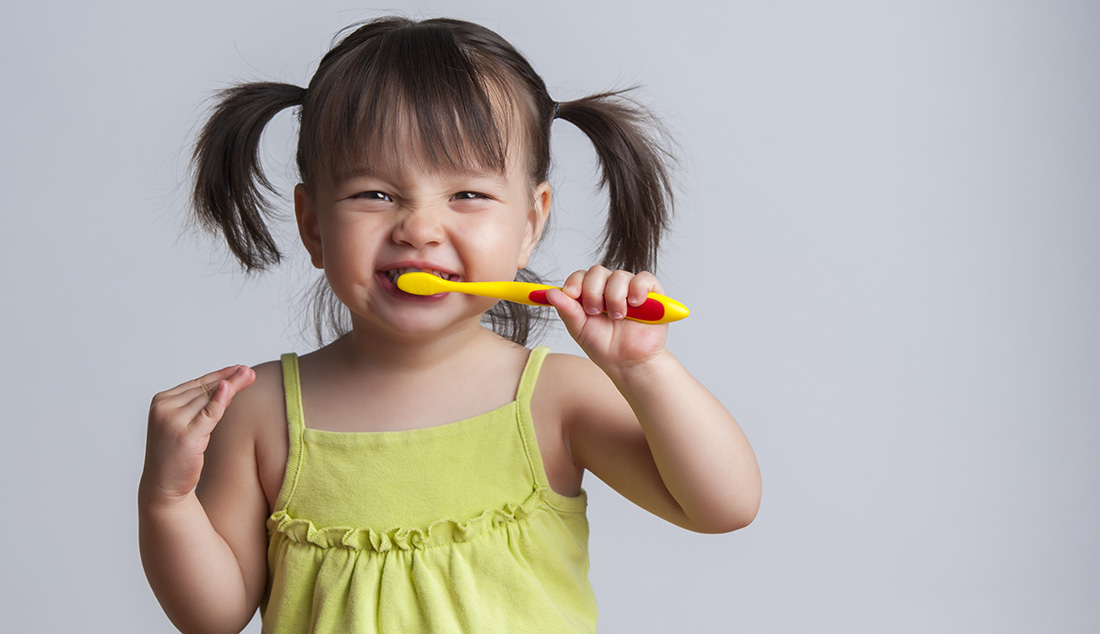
(419, 227)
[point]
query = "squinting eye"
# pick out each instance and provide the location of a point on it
(469, 196)
(373, 195)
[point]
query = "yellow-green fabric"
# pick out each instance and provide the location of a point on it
(445, 529)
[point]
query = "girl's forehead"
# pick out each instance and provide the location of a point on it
(407, 151)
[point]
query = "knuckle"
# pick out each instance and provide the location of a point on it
(211, 411)
(159, 410)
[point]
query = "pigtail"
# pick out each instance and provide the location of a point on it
(228, 178)
(635, 172)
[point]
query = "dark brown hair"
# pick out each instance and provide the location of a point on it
(467, 97)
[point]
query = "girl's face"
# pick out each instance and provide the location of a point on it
(365, 228)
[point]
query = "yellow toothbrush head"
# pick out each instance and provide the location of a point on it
(421, 283)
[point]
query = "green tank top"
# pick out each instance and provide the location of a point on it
(451, 528)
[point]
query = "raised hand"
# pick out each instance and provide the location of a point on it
(180, 423)
(610, 340)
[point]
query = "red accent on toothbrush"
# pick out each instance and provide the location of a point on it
(649, 310)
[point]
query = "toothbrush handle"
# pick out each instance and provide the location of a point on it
(656, 309)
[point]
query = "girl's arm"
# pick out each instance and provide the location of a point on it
(204, 555)
(640, 421)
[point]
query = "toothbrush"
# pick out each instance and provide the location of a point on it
(656, 309)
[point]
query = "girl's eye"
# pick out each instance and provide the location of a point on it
(470, 196)
(373, 195)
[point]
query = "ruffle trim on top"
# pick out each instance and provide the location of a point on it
(437, 533)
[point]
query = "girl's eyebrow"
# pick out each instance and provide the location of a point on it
(489, 175)
(344, 176)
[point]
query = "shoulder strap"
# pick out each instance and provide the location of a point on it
(292, 388)
(531, 375)
(525, 422)
(295, 417)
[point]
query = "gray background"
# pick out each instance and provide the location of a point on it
(887, 232)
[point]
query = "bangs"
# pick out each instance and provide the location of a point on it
(387, 90)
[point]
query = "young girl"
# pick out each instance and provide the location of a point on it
(422, 472)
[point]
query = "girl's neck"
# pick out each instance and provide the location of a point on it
(365, 348)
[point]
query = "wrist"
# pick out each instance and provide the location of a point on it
(645, 373)
(153, 498)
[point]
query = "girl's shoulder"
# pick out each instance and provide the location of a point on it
(575, 385)
(561, 366)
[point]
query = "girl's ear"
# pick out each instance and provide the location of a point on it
(536, 222)
(308, 229)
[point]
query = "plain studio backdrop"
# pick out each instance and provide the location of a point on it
(887, 231)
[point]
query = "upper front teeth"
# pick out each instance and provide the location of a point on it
(393, 274)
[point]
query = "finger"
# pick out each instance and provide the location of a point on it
(175, 407)
(615, 293)
(569, 310)
(202, 413)
(641, 286)
(208, 411)
(180, 396)
(572, 285)
(242, 378)
(592, 289)
(205, 383)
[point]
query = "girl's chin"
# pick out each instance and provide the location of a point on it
(414, 315)
(416, 329)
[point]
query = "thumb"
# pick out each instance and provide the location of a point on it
(569, 310)
(213, 410)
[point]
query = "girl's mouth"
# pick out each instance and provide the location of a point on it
(393, 274)
(389, 282)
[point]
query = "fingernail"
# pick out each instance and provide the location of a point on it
(592, 311)
(616, 315)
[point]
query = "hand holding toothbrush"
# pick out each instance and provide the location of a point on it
(593, 305)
